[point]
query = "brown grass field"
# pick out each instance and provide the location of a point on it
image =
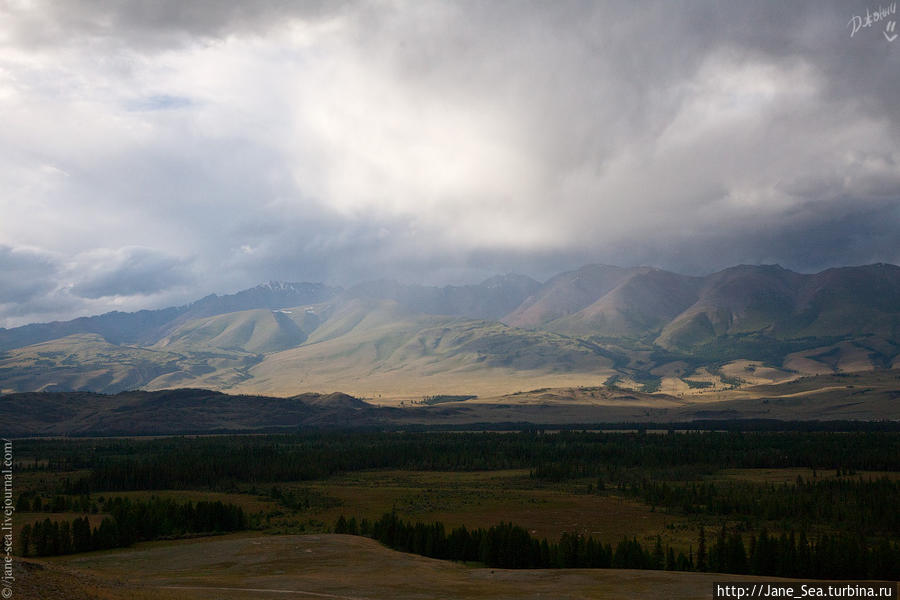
(483, 499)
(790, 475)
(326, 566)
(474, 499)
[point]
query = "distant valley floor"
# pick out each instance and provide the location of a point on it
(867, 396)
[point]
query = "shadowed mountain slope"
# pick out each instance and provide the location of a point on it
(847, 302)
(642, 304)
(568, 293)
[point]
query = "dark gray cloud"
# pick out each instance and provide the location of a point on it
(155, 24)
(25, 275)
(159, 151)
(127, 271)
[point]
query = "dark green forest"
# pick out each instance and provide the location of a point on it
(508, 546)
(220, 462)
(130, 522)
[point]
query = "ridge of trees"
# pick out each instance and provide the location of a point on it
(217, 462)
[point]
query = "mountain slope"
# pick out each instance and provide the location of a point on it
(850, 301)
(255, 331)
(642, 304)
(567, 293)
(83, 361)
(741, 299)
(777, 304)
(372, 343)
(148, 326)
(115, 327)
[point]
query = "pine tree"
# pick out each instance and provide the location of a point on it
(341, 525)
(25, 540)
(736, 554)
(81, 535)
(701, 551)
(671, 565)
(658, 555)
(65, 538)
(23, 503)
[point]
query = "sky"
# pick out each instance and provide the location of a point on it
(152, 153)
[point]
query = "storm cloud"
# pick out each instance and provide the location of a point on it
(151, 153)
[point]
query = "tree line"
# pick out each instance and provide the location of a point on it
(509, 546)
(222, 462)
(505, 545)
(31, 501)
(129, 522)
(863, 506)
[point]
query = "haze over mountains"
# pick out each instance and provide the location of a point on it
(642, 328)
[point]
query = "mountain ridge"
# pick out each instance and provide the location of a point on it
(638, 327)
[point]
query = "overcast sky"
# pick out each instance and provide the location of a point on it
(154, 152)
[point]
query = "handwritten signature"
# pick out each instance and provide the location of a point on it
(882, 13)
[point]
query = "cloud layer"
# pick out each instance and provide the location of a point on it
(154, 152)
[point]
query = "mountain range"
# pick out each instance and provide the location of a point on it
(638, 328)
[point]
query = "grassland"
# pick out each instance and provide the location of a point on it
(790, 475)
(470, 498)
(483, 499)
(344, 567)
(242, 566)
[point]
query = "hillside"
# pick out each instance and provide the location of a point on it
(640, 305)
(370, 347)
(754, 311)
(148, 326)
(176, 411)
(303, 566)
(254, 331)
(566, 294)
(641, 329)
